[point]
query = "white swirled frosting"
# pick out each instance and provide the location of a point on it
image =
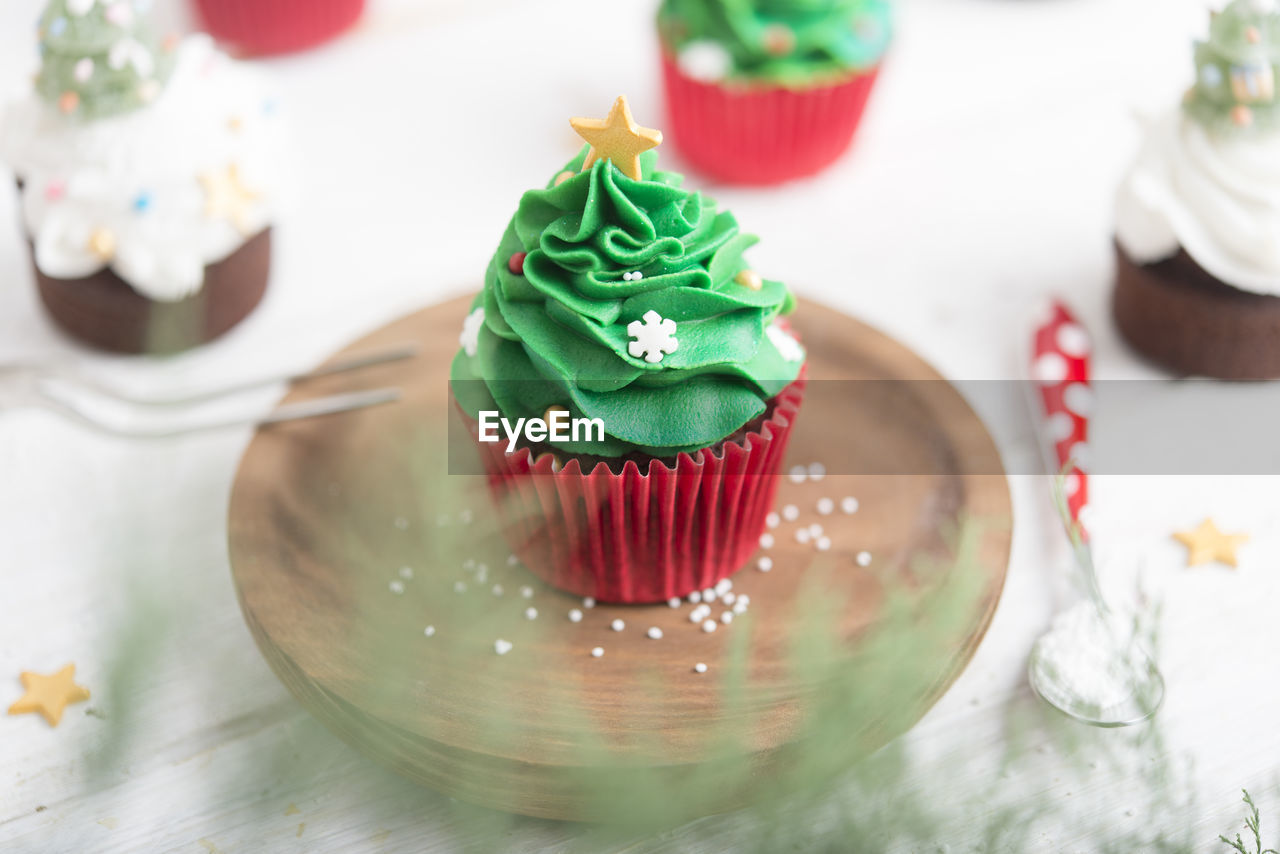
(1217, 196)
(156, 194)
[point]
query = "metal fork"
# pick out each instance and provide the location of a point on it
(63, 391)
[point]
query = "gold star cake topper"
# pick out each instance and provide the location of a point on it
(49, 695)
(227, 197)
(1206, 544)
(618, 139)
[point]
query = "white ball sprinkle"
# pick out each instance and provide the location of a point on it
(726, 617)
(501, 647)
(744, 599)
(397, 587)
(699, 613)
(849, 505)
(739, 607)
(655, 633)
(429, 631)
(673, 602)
(817, 471)
(596, 652)
(459, 587)
(512, 560)
(709, 595)
(864, 558)
(728, 598)
(709, 626)
(497, 590)
(406, 572)
(465, 517)
(531, 613)
(723, 586)
(773, 520)
(617, 625)
(526, 592)
(695, 597)
(798, 474)
(402, 523)
(823, 544)
(482, 573)
(766, 541)
(826, 506)
(815, 530)
(442, 520)
(588, 602)
(699, 668)
(791, 512)
(803, 536)
(575, 616)
(469, 563)
(764, 564)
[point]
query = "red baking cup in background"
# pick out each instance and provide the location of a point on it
(636, 537)
(763, 134)
(277, 26)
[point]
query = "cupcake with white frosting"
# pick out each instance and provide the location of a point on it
(147, 177)
(1198, 215)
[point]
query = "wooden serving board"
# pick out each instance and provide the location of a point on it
(348, 539)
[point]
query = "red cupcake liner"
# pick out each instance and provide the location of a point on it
(278, 26)
(636, 537)
(763, 134)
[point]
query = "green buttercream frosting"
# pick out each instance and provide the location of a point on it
(788, 42)
(1237, 69)
(557, 332)
(99, 59)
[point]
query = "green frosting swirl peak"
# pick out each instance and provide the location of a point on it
(602, 251)
(788, 42)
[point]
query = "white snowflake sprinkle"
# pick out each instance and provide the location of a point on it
(469, 340)
(502, 647)
(764, 564)
(654, 337)
(826, 506)
(788, 348)
(699, 668)
(791, 512)
(655, 633)
(596, 652)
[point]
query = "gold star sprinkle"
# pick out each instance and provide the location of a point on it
(102, 243)
(49, 695)
(226, 197)
(618, 139)
(1207, 544)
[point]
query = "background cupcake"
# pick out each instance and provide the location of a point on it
(1198, 216)
(618, 295)
(761, 91)
(147, 178)
(278, 26)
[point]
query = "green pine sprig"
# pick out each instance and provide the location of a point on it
(1253, 823)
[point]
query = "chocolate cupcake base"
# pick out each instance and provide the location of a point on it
(103, 311)
(1178, 315)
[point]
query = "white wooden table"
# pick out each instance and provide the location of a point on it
(982, 181)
